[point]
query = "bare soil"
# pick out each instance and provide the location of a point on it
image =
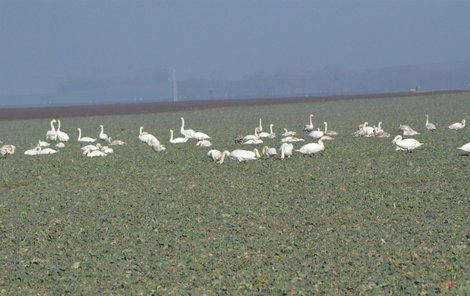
(156, 107)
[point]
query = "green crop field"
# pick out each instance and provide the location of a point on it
(361, 218)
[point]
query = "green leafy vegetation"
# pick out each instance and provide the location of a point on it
(361, 218)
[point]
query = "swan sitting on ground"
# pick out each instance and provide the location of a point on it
(430, 127)
(200, 136)
(253, 142)
(46, 151)
(43, 144)
(286, 150)
(288, 133)
(269, 152)
(102, 135)
(186, 132)
(177, 140)
(6, 150)
(115, 142)
(95, 153)
(241, 155)
(59, 145)
(147, 138)
(405, 144)
(34, 151)
(291, 139)
(314, 148)
(251, 137)
(214, 154)
(465, 148)
(457, 126)
(407, 130)
(84, 139)
(329, 132)
(61, 136)
(316, 134)
(309, 127)
(204, 143)
(270, 135)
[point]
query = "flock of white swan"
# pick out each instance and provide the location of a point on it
(58, 138)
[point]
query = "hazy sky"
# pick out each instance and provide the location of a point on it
(43, 42)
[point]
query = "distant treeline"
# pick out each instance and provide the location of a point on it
(157, 84)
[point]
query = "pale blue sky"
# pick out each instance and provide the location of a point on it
(43, 42)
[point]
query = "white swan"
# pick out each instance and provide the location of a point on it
(204, 143)
(291, 139)
(288, 133)
(241, 155)
(314, 148)
(107, 150)
(147, 138)
(465, 148)
(59, 145)
(43, 144)
(368, 130)
(430, 127)
(269, 152)
(186, 132)
(457, 126)
(102, 135)
(84, 139)
(270, 135)
(286, 150)
(329, 132)
(405, 144)
(251, 137)
(259, 129)
(252, 142)
(115, 142)
(6, 150)
(214, 154)
(34, 151)
(61, 136)
(95, 153)
(407, 130)
(309, 127)
(200, 136)
(316, 134)
(177, 140)
(51, 134)
(46, 151)
(158, 147)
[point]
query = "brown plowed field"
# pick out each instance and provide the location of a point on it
(139, 108)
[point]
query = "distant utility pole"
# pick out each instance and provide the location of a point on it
(175, 88)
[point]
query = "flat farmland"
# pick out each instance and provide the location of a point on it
(361, 218)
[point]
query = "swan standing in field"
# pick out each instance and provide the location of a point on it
(457, 126)
(84, 139)
(314, 148)
(309, 127)
(204, 143)
(329, 132)
(102, 135)
(286, 150)
(186, 132)
(241, 155)
(51, 134)
(465, 148)
(288, 133)
(269, 152)
(214, 154)
(430, 127)
(61, 136)
(177, 140)
(405, 144)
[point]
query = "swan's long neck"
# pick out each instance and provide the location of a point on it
(140, 130)
(326, 126)
(182, 123)
(79, 133)
(52, 125)
(102, 129)
(260, 127)
(271, 128)
(224, 154)
(380, 124)
(171, 135)
(256, 153)
(58, 125)
(427, 119)
(310, 117)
